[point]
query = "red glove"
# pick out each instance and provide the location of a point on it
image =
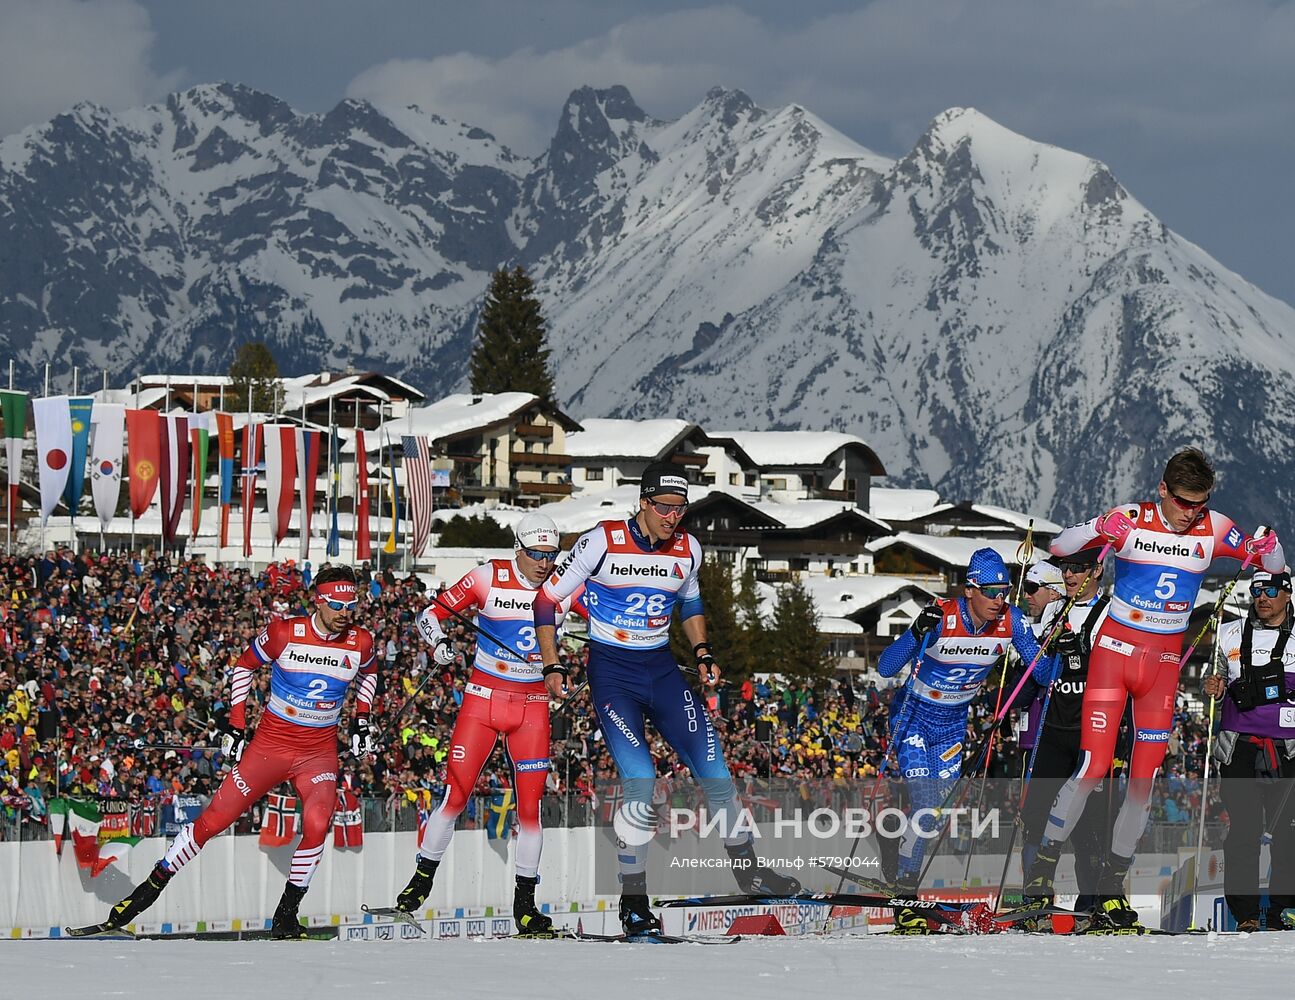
(1115, 527)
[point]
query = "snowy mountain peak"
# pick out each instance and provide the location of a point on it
(995, 316)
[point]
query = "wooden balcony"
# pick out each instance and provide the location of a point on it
(544, 489)
(538, 458)
(690, 459)
(534, 430)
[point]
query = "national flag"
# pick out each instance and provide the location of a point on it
(251, 456)
(108, 426)
(612, 797)
(423, 816)
(499, 820)
(390, 546)
(53, 449)
(80, 409)
(200, 428)
(13, 407)
(279, 820)
(334, 548)
(363, 545)
(280, 477)
(348, 820)
(225, 441)
(84, 819)
(175, 473)
(144, 434)
(307, 445)
(418, 489)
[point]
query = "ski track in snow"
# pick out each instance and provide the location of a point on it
(755, 969)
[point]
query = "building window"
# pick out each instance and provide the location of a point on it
(777, 484)
(750, 479)
(594, 475)
(732, 478)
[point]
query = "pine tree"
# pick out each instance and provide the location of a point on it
(512, 352)
(474, 532)
(723, 632)
(253, 370)
(755, 652)
(800, 652)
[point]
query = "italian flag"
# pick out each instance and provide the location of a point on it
(84, 819)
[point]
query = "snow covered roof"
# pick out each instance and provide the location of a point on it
(1041, 524)
(807, 513)
(837, 597)
(460, 413)
(891, 504)
(951, 550)
(791, 448)
(643, 439)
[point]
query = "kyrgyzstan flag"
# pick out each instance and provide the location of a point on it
(280, 476)
(144, 436)
(53, 449)
(363, 546)
(175, 473)
(225, 438)
(307, 445)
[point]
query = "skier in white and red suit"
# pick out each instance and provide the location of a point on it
(313, 661)
(505, 696)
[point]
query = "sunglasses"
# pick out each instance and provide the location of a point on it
(1187, 504)
(995, 591)
(1031, 588)
(1259, 590)
(668, 509)
(539, 555)
(1075, 567)
(340, 605)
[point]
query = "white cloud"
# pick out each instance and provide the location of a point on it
(1145, 72)
(54, 53)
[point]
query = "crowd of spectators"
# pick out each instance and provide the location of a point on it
(100, 653)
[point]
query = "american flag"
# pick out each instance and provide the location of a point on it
(418, 489)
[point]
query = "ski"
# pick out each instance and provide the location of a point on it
(881, 900)
(1008, 917)
(403, 916)
(99, 931)
(871, 884)
(655, 937)
(557, 934)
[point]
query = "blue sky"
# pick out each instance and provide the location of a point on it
(1190, 102)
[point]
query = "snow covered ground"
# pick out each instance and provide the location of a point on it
(753, 969)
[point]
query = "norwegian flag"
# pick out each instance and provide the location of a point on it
(348, 820)
(279, 820)
(423, 816)
(418, 487)
(612, 797)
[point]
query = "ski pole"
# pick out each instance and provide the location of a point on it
(1061, 624)
(141, 744)
(470, 623)
(1223, 597)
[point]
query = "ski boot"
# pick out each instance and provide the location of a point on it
(1113, 914)
(910, 921)
(419, 888)
(635, 912)
(286, 926)
(1037, 892)
(754, 878)
(141, 897)
(530, 921)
